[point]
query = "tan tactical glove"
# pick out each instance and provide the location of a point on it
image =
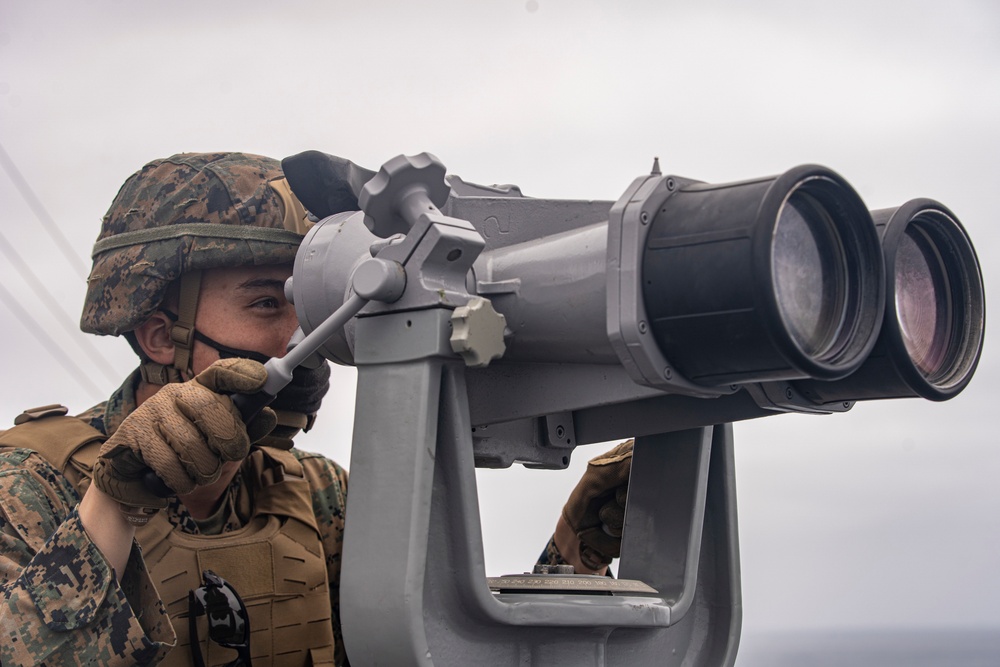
(184, 432)
(595, 510)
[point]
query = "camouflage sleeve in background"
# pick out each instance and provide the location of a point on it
(329, 495)
(60, 602)
(550, 554)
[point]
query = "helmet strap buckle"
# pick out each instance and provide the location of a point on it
(158, 374)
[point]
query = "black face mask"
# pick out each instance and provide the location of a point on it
(226, 352)
(303, 394)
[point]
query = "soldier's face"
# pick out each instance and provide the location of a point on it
(244, 308)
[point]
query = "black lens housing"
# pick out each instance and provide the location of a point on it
(720, 278)
(944, 326)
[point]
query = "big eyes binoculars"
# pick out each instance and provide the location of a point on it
(493, 328)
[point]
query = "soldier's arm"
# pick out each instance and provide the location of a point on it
(564, 548)
(60, 601)
(107, 528)
(588, 534)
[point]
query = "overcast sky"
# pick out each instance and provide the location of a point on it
(887, 516)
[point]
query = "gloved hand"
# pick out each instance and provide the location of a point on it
(184, 432)
(595, 510)
(296, 405)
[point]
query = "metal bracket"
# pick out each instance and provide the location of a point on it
(784, 397)
(559, 431)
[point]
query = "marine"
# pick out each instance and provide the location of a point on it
(240, 563)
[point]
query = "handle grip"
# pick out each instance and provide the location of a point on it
(156, 485)
(250, 405)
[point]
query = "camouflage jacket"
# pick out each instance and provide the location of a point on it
(60, 601)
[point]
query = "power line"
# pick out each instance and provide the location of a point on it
(38, 287)
(64, 359)
(43, 215)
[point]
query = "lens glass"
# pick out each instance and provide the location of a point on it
(923, 301)
(809, 273)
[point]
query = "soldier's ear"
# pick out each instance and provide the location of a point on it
(153, 336)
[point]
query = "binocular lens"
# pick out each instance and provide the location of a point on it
(770, 279)
(923, 303)
(932, 332)
(938, 298)
(809, 273)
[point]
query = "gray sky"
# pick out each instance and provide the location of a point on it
(889, 515)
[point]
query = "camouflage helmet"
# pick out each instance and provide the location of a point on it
(182, 214)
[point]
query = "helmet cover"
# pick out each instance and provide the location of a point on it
(188, 212)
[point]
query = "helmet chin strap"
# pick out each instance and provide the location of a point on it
(182, 333)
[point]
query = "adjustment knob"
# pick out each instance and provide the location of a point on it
(404, 188)
(477, 332)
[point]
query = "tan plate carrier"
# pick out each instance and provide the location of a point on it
(275, 561)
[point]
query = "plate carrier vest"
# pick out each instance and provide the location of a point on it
(275, 561)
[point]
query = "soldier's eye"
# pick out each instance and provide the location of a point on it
(268, 303)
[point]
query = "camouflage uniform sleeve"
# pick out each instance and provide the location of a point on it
(329, 495)
(60, 603)
(550, 554)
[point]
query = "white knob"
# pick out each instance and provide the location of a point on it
(477, 332)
